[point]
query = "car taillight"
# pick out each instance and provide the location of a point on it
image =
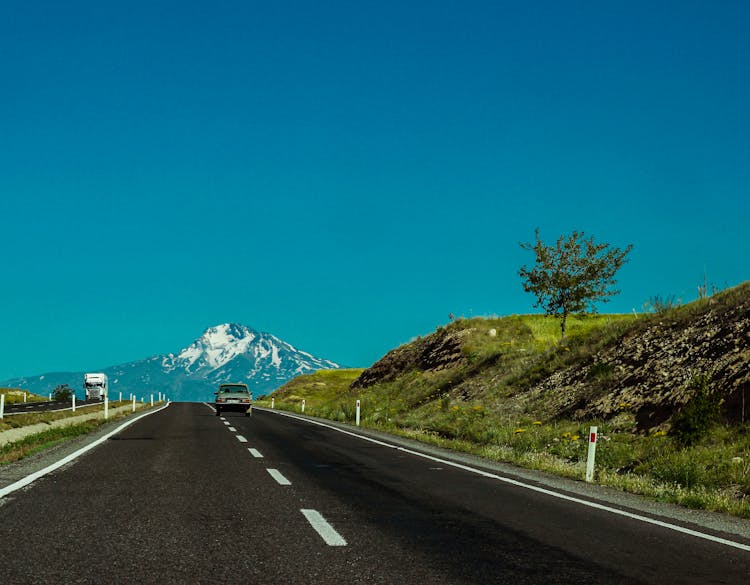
(246, 400)
(219, 400)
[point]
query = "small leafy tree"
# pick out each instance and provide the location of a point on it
(572, 275)
(62, 392)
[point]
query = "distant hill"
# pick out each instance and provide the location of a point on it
(227, 352)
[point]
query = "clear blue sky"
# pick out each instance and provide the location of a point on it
(345, 174)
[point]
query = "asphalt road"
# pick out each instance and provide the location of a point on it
(183, 496)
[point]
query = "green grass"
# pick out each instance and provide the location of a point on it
(324, 392)
(38, 442)
(15, 395)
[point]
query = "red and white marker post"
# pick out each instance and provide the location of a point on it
(357, 413)
(592, 454)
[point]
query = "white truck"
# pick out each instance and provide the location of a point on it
(95, 386)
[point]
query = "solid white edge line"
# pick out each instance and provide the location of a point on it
(280, 479)
(241, 439)
(255, 453)
(50, 468)
(527, 486)
(323, 528)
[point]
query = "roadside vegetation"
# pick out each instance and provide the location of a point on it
(16, 450)
(16, 395)
(484, 404)
(16, 421)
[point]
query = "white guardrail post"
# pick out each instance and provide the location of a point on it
(2, 406)
(303, 405)
(592, 455)
(357, 420)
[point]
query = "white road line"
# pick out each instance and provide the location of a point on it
(227, 423)
(322, 527)
(280, 479)
(50, 468)
(255, 453)
(233, 429)
(527, 486)
(241, 439)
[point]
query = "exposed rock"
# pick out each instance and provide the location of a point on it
(648, 372)
(437, 351)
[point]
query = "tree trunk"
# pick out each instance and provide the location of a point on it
(563, 324)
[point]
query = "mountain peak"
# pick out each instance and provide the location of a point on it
(226, 334)
(228, 352)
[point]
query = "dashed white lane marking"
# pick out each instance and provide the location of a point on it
(233, 429)
(255, 453)
(241, 439)
(227, 423)
(280, 479)
(541, 490)
(322, 527)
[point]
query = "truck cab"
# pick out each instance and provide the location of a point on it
(95, 386)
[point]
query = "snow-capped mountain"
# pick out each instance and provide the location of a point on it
(224, 353)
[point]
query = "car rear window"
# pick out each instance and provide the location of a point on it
(233, 389)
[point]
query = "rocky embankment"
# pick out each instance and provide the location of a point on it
(438, 351)
(649, 370)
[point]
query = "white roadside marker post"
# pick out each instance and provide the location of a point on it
(120, 397)
(303, 405)
(106, 407)
(2, 406)
(50, 396)
(357, 412)
(592, 455)
(73, 401)
(132, 397)
(152, 400)
(24, 396)
(272, 401)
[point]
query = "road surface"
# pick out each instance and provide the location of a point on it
(184, 496)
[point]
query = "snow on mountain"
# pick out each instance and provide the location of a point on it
(224, 353)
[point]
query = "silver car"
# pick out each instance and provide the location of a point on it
(234, 398)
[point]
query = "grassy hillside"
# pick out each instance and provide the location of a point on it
(508, 389)
(15, 395)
